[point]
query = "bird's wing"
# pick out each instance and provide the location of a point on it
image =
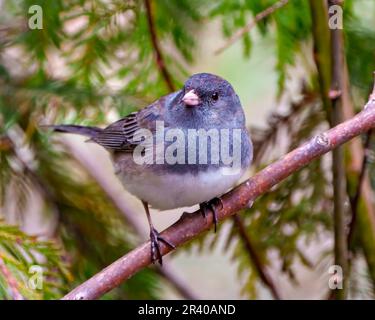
(119, 136)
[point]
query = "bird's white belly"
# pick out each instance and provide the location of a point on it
(179, 190)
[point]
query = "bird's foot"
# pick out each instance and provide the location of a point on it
(212, 206)
(155, 238)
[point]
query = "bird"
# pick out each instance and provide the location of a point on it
(173, 173)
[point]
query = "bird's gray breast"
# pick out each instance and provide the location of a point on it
(193, 151)
(187, 169)
(174, 190)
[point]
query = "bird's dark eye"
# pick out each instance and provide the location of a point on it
(215, 96)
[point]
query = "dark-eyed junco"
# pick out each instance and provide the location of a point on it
(184, 149)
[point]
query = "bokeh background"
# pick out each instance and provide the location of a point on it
(94, 61)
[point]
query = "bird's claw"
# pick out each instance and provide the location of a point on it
(211, 205)
(155, 237)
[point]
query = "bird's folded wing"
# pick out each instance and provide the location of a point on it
(119, 136)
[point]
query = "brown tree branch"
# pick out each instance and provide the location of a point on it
(260, 16)
(11, 281)
(155, 43)
(253, 255)
(190, 225)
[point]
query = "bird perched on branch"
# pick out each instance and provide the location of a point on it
(184, 149)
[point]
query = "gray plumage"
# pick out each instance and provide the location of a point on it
(224, 113)
(205, 102)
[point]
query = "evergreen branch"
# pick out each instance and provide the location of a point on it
(155, 43)
(11, 281)
(260, 16)
(254, 257)
(263, 138)
(129, 215)
(28, 170)
(190, 225)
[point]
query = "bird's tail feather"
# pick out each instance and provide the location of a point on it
(90, 132)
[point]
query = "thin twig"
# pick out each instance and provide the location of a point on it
(11, 281)
(91, 166)
(260, 16)
(158, 55)
(255, 259)
(338, 165)
(190, 225)
(355, 200)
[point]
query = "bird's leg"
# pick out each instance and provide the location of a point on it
(211, 205)
(155, 237)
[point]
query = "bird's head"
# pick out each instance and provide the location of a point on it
(205, 89)
(207, 98)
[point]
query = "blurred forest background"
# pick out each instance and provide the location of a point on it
(95, 61)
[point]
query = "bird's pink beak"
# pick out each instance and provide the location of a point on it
(191, 99)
